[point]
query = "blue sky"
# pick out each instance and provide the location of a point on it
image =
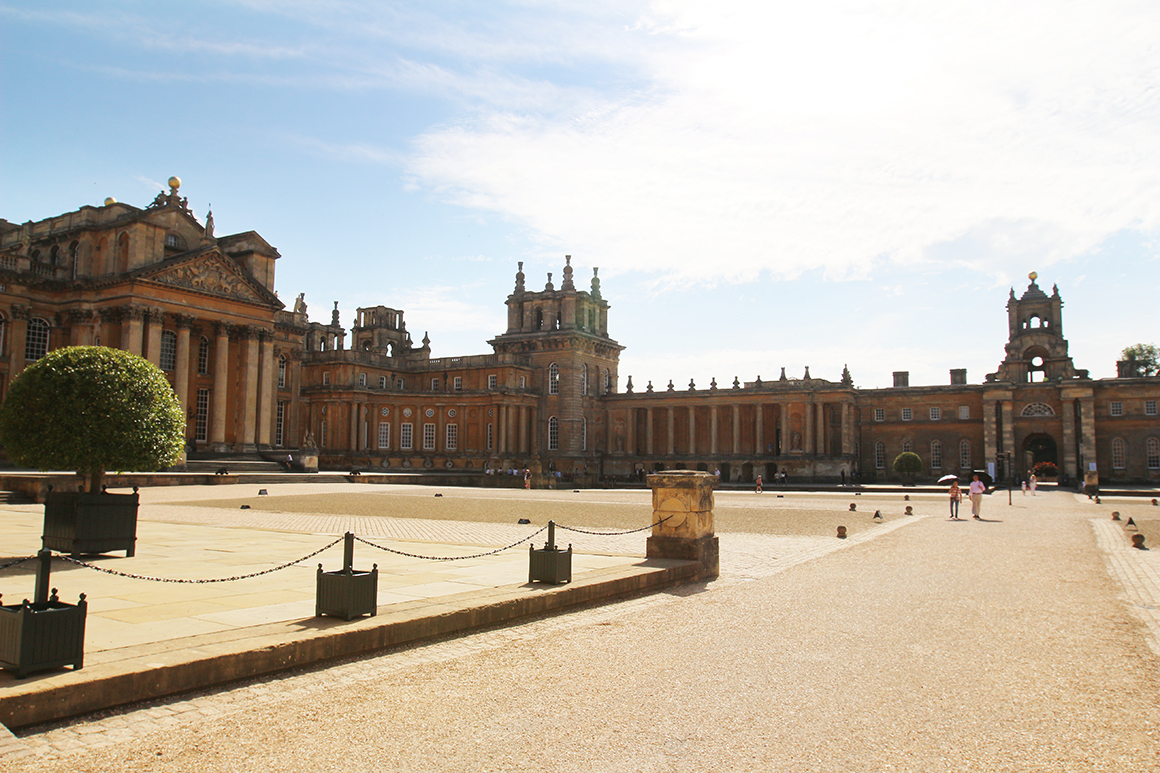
(762, 185)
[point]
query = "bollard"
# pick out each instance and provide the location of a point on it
(1115, 515)
(853, 507)
(841, 532)
(1138, 541)
(43, 573)
(906, 497)
(910, 509)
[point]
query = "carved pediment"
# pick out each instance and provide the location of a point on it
(209, 274)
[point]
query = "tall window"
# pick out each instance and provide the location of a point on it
(322, 435)
(936, 455)
(1153, 448)
(964, 411)
(326, 378)
(879, 414)
(282, 371)
(1117, 408)
(362, 379)
(429, 437)
(492, 380)
(168, 350)
(36, 343)
(384, 434)
(907, 414)
(584, 434)
(406, 436)
(935, 413)
(201, 415)
(203, 356)
(906, 447)
(584, 379)
(1149, 405)
(964, 454)
(607, 381)
(382, 382)
(435, 385)
(553, 379)
(490, 436)
(457, 384)
(553, 434)
(1119, 455)
(280, 425)
(880, 455)
(400, 384)
(452, 437)
(3, 329)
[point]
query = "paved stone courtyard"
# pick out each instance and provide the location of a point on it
(1028, 641)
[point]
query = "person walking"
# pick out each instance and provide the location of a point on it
(976, 493)
(1031, 484)
(956, 497)
(758, 484)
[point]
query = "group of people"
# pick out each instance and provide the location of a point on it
(975, 492)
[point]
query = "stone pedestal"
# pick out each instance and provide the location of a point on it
(683, 518)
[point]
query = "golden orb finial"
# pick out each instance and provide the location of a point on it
(175, 182)
(1033, 276)
(110, 201)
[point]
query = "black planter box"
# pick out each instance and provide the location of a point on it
(347, 593)
(550, 565)
(78, 523)
(42, 636)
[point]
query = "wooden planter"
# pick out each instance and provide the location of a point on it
(550, 565)
(78, 523)
(42, 636)
(347, 593)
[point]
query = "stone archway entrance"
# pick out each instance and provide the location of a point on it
(1039, 447)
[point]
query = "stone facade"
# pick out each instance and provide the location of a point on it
(253, 375)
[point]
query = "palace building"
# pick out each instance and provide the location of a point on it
(256, 377)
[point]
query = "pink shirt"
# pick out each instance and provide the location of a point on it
(978, 487)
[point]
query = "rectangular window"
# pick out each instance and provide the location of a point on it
(429, 437)
(880, 456)
(362, 379)
(965, 455)
(434, 385)
(1119, 456)
(489, 436)
(1153, 451)
(280, 424)
(1117, 408)
(384, 434)
(203, 356)
(452, 437)
(458, 383)
(382, 382)
(406, 439)
(523, 382)
(879, 414)
(964, 411)
(281, 372)
(400, 384)
(906, 447)
(168, 350)
(935, 414)
(326, 378)
(322, 440)
(936, 455)
(492, 381)
(1149, 407)
(201, 415)
(907, 414)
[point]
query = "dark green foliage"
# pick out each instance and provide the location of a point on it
(92, 409)
(907, 462)
(1144, 357)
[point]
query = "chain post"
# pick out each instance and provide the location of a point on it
(348, 552)
(43, 570)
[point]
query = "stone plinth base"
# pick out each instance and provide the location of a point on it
(704, 550)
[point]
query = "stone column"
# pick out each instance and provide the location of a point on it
(1070, 465)
(248, 387)
(181, 370)
(524, 424)
(221, 386)
(692, 431)
(847, 429)
(630, 433)
(648, 431)
(17, 339)
(81, 324)
(153, 321)
(501, 430)
(131, 330)
(785, 439)
(820, 443)
(713, 430)
(352, 441)
(1087, 439)
(736, 429)
(683, 519)
(1009, 433)
(808, 426)
(759, 429)
(671, 426)
(266, 395)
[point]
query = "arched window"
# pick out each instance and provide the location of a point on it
(553, 379)
(584, 379)
(607, 381)
(1037, 409)
(553, 434)
(282, 374)
(1119, 454)
(906, 447)
(936, 454)
(54, 255)
(123, 252)
(168, 350)
(964, 454)
(203, 356)
(1153, 449)
(880, 455)
(36, 342)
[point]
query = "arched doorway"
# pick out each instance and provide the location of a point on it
(1038, 447)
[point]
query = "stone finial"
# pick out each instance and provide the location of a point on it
(549, 287)
(757, 383)
(334, 320)
(595, 283)
(713, 384)
(671, 387)
(520, 278)
(807, 375)
(782, 377)
(628, 386)
(649, 388)
(736, 383)
(692, 386)
(426, 339)
(567, 284)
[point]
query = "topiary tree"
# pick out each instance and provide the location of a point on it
(92, 409)
(908, 463)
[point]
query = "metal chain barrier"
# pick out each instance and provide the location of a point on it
(17, 561)
(453, 558)
(614, 533)
(131, 576)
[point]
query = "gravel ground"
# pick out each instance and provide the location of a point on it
(1000, 645)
